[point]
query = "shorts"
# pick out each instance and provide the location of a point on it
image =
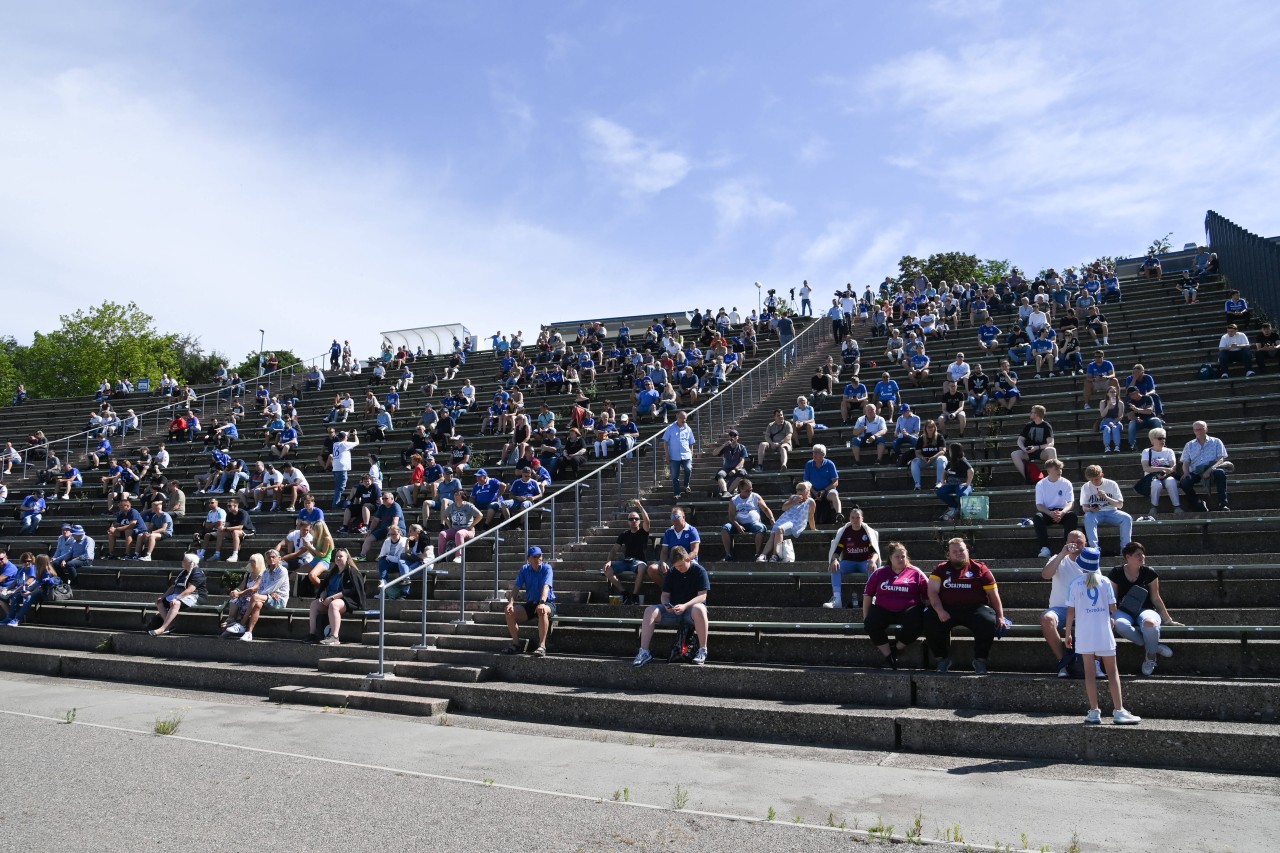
(1100, 386)
(790, 528)
(747, 527)
(672, 618)
(871, 440)
(531, 608)
(187, 600)
(275, 603)
(1010, 394)
(1060, 612)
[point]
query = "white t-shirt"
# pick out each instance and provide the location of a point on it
(1239, 339)
(1093, 616)
(1090, 494)
(1068, 571)
(214, 516)
(1055, 495)
(1166, 458)
(342, 456)
(957, 371)
(295, 478)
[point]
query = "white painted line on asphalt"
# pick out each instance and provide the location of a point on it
(484, 784)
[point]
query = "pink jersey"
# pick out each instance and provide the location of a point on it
(897, 592)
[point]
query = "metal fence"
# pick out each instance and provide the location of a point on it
(277, 380)
(1250, 263)
(630, 473)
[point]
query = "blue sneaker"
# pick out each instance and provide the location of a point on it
(642, 658)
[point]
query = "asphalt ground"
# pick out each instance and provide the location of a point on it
(244, 773)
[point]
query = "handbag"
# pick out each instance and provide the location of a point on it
(786, 552)
(1143, 486)
(1134, 600)
(58, 592)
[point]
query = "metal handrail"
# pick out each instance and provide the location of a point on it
(769, 369)
(87, 434)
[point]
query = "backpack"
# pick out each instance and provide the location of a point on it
(686, 644)
(1206, 371)
(1034, 473)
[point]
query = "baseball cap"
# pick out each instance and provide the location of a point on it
(66, 527)
(535, 551)
(482, 473)
(905, 407)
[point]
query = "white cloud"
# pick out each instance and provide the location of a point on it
(736, 202)
(516, 112)
(558, 47)
(997, 83)
(638, 165)
(966, 8)
(836, 240)
(113, 192)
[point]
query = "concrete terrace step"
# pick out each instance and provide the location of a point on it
(359, 700)
(420, 671)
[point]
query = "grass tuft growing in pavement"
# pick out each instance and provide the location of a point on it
(679, 797)
(70, 716)
(771, 814)
(168, 725)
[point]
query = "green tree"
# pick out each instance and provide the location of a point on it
(111, 342)
(942, 266)
(991, 271)
(196, 366)
(8, 377)
(248, 369)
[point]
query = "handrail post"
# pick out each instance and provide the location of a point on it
(426, 567)
(497, 546)
(382, 673)
(577, 515)
(553, 527)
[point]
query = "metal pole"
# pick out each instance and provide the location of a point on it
(382, 637)
(600, 495)
(577, 515)
(553, 527)
(497, 545)
(423, 643)
(462, 589)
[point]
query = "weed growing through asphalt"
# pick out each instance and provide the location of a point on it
(487, 781)
(444, 720)
(70, 716)
(169, 725)
(622, 795)
(1074, 846)
(771, 814)
(653, 741)
(1025, 844)
(882, 830)
(916, 833)
(631, 740)
(105, 647)
(797, 819)
(831, 819)
(679, 797)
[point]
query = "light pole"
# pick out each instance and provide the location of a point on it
(759, 306)
(262, 337)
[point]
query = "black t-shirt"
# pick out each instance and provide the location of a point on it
(683, 586)
(930, 445)
(952, 401)
(1123, 584)
(959, 470)
(1263, 339)
(236, 518)
(635, 543)
(1036, 434)
(979, 382)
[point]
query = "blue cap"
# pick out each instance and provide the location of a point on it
(482, 473)
(77, 530)
(535, 551)
(905, 407)
(1090, 559)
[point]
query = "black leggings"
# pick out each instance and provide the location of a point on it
(981, 622)
(878, 621)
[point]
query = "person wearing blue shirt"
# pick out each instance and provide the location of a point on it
(387, 515)
(1100, 374)
(680, 441)
(887, 392)
(68, 478)
(487, 494)
(822, 475)
(127, 525)
(679, 534)
(907, 433)
(919, 372)
(101, 454)
(1045, 352)
(854, 398)
(33, 507)
(1237, 309)
(989, 336)
(392, 401)
(646, 399)
(536, 578)
(525, 490)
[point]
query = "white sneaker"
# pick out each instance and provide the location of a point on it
(1098, 670)
(1148, 666)
(762, 558)
(1164, 651)
(234, 558)
(833, 604)
(247, 636)
(1094, 717)
(145, 558)
(1045, 552)
(1124, 718)
(1143, 518)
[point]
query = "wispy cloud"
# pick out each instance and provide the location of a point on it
(997, 83)
(737, 202)
(558, 47)
(814, 150)
(516, 112)
(966, 8)
(639, 166)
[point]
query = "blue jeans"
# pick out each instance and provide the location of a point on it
(1219, 478)
(1140, 424)
(339, 486)
(1111, 434)
(1073, 361)
(1135, 631)
(847, 567)
(951, 493)
(1110, 515)
(27, 602)
(680, 468)
(917, 466)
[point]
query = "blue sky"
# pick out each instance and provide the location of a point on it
(355, 167)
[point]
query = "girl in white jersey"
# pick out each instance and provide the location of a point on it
(1090, 602)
